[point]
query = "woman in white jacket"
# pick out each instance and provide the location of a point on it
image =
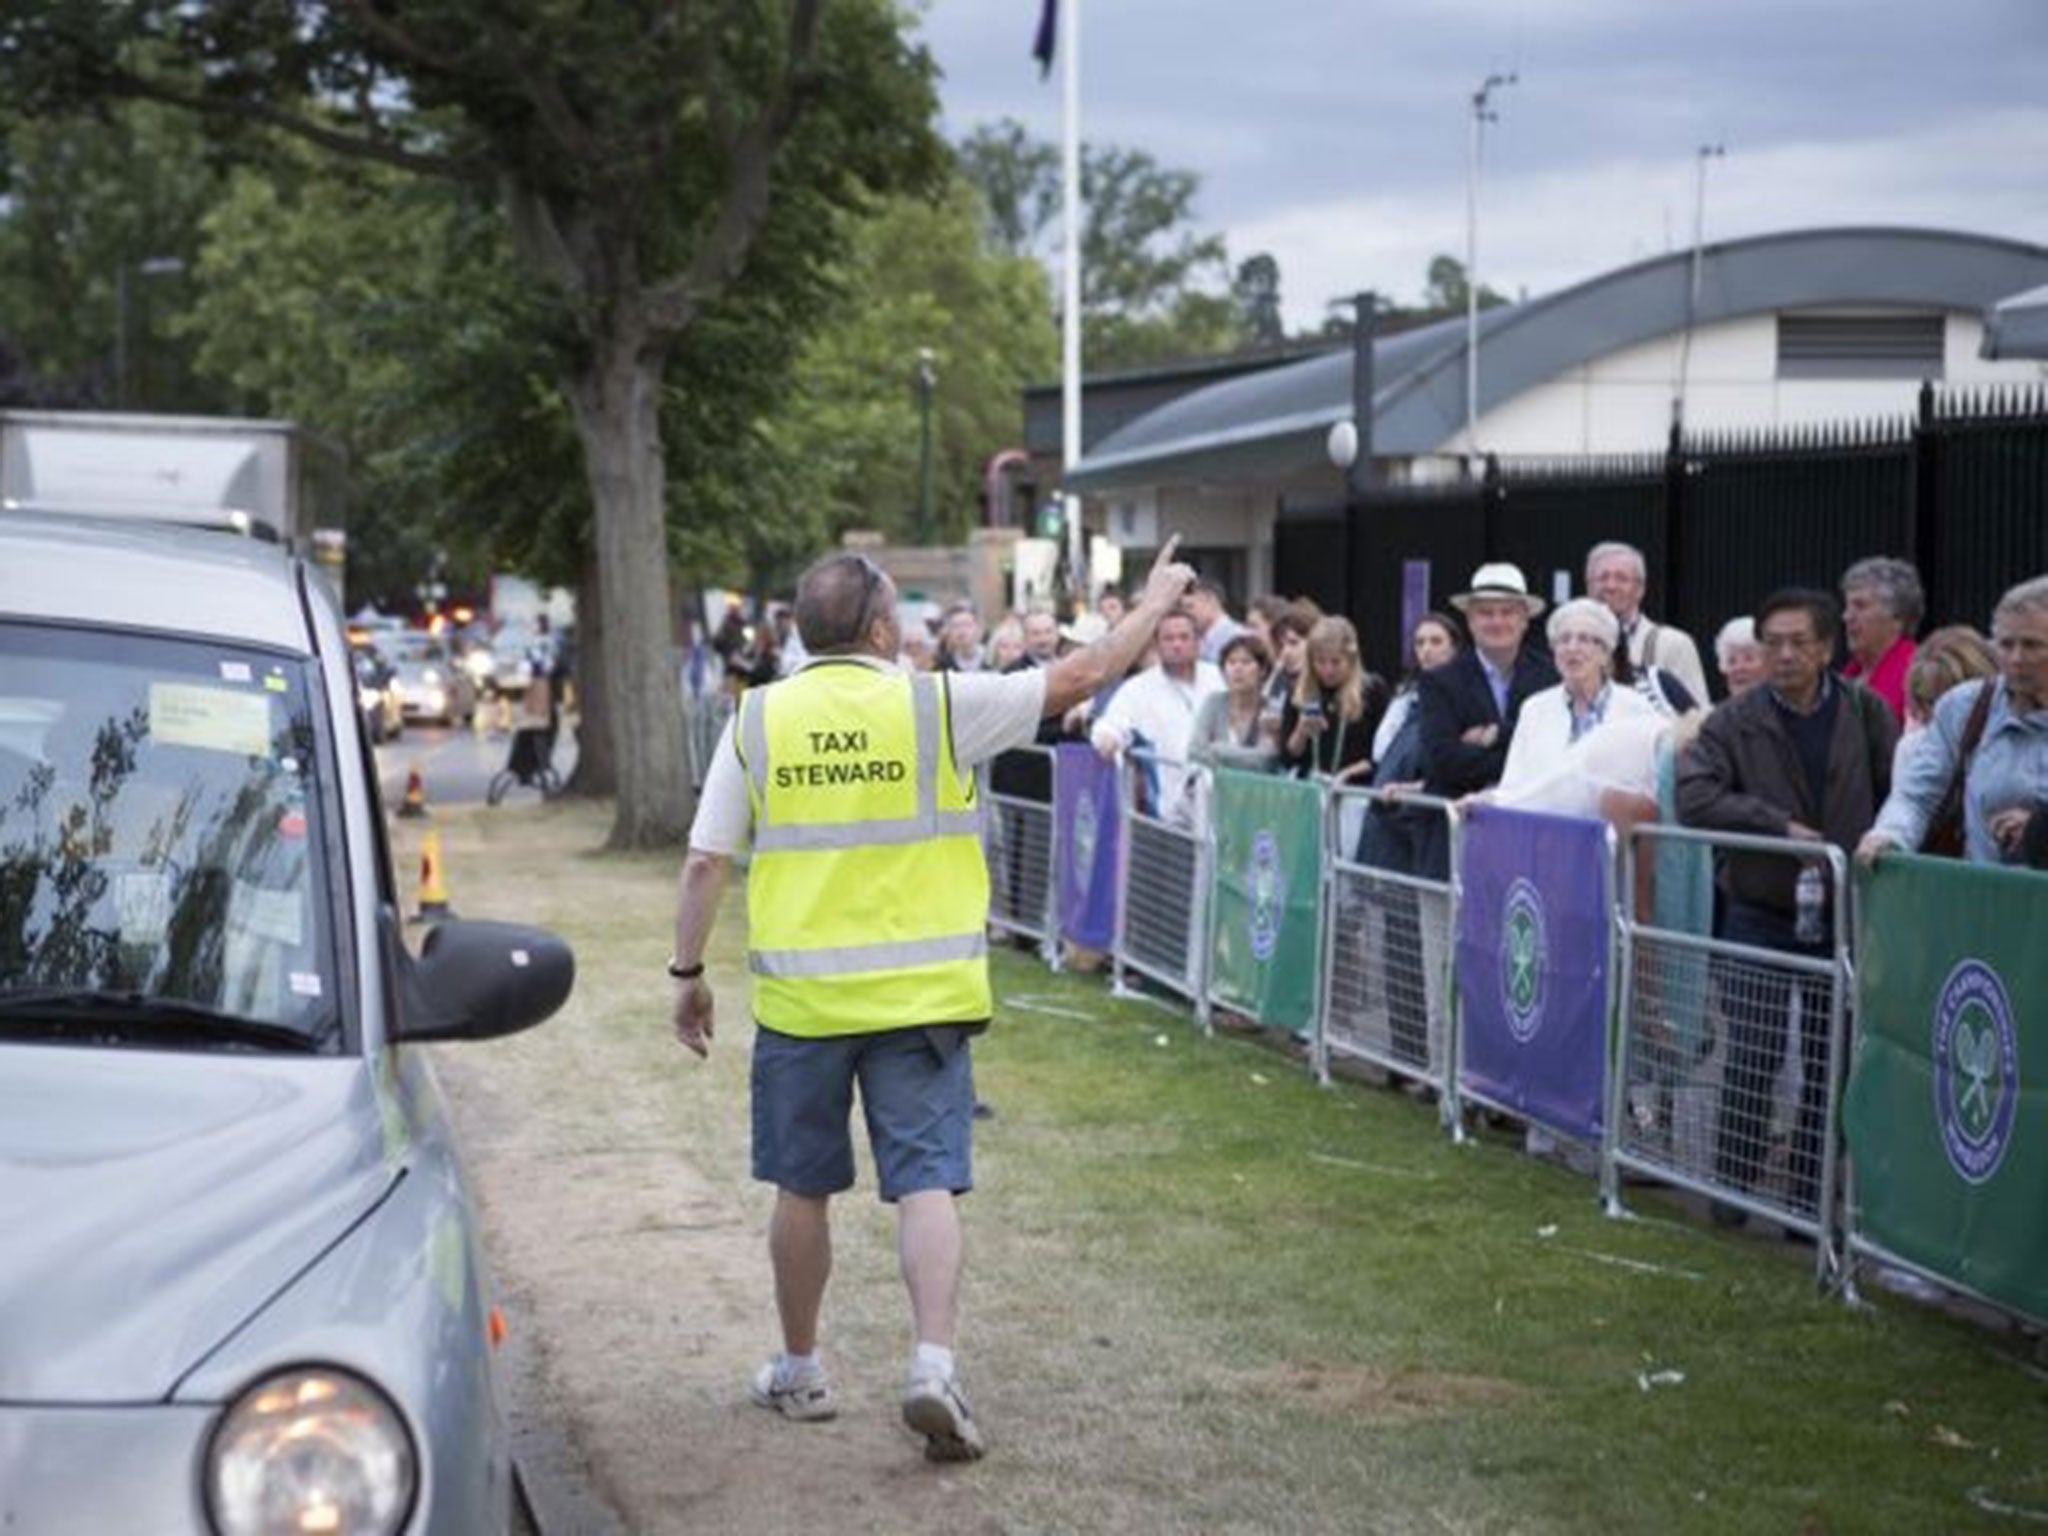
(1577, 744)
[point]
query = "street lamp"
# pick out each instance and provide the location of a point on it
(1350, 444)
(1482, 114)
(1705, 153)
(926, 379)
(149, 266)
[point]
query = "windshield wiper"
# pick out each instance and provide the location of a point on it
(85, 1013)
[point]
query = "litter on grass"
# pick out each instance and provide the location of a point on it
(1034, 1004)
(2000, 1502)
(1380, 1168)
(1645, 1380)
(1640, 1266)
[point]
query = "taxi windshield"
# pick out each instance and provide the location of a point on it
(161, 875)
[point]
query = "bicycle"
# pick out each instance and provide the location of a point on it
(530, 762)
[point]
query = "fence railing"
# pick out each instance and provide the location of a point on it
(1022, 850)
(1721, 517)
(1387, 997)
(1729, 1055)
(1162, 910)
(1584, 984)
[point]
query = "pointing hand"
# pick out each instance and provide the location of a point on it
(1169, 579)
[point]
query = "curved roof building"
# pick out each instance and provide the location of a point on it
(1811, 325)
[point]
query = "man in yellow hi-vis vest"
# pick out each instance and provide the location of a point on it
(852, 781)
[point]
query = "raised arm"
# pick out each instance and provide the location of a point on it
(1084, 673)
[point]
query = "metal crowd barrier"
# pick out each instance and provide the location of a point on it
(1023, 873)
(1162, 923)
(1387, 996)
(704, 719)
(1727, 1070)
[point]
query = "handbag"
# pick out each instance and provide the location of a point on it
(1944, 837)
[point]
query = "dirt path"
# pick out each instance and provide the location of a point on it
(626, 1240)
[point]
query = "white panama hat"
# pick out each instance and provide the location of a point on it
(1497, 578)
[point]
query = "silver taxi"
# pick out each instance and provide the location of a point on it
(241, 1287)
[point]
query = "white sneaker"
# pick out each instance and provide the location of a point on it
(934, 1407)
(804, 1395)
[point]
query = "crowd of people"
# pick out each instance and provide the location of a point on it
(1600, 710)
(1832, 722)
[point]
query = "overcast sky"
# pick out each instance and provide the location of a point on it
(1334, 133)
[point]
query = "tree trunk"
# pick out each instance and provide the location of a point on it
(597, 772)
(616, 400)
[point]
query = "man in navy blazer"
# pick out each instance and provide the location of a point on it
(1468, 707)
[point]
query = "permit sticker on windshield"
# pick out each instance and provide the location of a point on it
(262, 913)
(142, 900)
(216, 719)
(234, 672)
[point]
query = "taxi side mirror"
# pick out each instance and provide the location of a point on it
(478, 980)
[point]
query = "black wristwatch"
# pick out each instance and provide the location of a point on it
(685, 972)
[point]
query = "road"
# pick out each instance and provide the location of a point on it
(456, 765)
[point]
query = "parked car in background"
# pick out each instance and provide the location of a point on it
(241, 1286)
(377, 692)
(432, 684)
(512, 659)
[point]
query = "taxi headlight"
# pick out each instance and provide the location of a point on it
(431, 677)
(311, 1450)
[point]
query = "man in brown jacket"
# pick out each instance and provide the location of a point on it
(1808, 756)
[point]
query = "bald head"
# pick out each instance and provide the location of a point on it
(839, 601)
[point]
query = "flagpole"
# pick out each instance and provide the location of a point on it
(1070, 305)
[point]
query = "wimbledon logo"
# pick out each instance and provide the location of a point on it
(1262, 885)
(1523, 944)
(1976, 1070)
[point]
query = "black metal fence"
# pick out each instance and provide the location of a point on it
(1961, 490)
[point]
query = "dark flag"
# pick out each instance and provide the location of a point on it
(1048, 36)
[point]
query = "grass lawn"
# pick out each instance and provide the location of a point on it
(1205, 1294)
(1463, 1317)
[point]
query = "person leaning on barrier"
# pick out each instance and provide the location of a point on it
(1156, 711)
(1391, 837)
(1555, 761)
(1992, 734)
(1289, 645)
(1232, 728)
(1470, 705)
(867, 906)
(1806, 756)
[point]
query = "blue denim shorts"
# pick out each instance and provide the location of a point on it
(916, 1090)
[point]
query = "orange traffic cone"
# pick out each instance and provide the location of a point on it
(415, 794)
(433, 884)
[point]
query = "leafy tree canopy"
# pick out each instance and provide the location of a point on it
(639, 151)
(1151, 287)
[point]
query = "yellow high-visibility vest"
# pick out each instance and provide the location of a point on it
(867, 895)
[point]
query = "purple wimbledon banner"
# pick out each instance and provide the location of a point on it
(1532, 966)
(1088, 823)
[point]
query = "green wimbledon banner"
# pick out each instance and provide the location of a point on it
(1947, 1110)
(1268, 888)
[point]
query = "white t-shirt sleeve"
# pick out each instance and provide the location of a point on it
(724, 814)
(994, 711)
